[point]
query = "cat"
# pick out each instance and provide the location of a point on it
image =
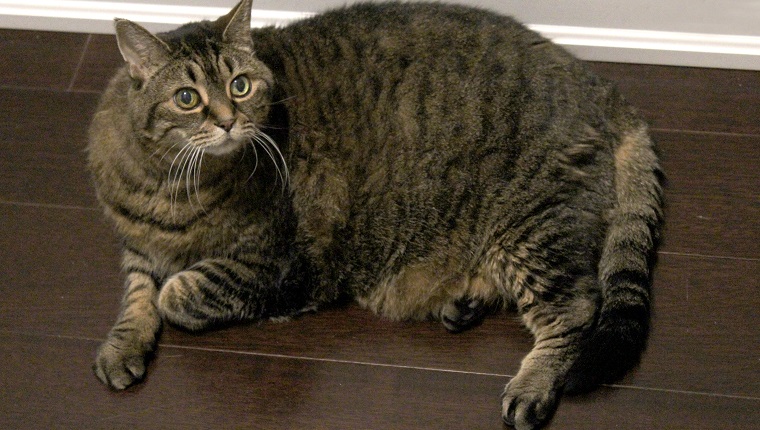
(428, 161)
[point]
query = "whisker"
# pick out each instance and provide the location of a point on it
(189, 175)
(272, 127)
(256, 155)
(271, 144)
(265, 147)
(199, 163)
(165, 152)
(171, 179)
(277, 102)
(181, 171)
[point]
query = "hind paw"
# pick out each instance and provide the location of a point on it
(463, 314)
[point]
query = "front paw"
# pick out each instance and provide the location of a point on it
(527, 407)
(119, 364)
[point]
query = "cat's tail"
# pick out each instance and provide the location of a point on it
(622, 326)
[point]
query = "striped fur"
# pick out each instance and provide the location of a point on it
(428, 161)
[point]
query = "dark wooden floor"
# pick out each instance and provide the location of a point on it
(346, 369)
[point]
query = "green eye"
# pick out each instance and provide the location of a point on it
(187, 98)
(240, 86)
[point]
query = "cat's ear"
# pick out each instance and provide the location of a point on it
(236, 26)
(144, 52)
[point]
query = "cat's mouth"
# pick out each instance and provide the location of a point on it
(225, 146)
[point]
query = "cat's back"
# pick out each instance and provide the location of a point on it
(382, 86)
(376, 37)
(408, 64)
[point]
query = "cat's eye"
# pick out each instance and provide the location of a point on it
(240, 86)
(187, 98)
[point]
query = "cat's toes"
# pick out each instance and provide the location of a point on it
(527, 408)
(119, 365)
(463, 313)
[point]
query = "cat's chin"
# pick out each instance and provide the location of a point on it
(226, 147)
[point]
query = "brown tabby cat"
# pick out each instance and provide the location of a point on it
(426, 160)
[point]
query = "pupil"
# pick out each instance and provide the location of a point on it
(186, 97)
(239, 85)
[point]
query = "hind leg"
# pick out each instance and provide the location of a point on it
(531, 397)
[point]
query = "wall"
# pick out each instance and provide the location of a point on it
(708, 33)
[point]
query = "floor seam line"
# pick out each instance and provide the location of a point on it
(385, 365)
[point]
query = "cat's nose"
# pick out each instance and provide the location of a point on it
(226, 124)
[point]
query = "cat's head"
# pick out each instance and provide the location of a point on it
(200, 85)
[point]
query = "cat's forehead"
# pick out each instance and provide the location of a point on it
(199, 56)
(207, 66)
(200, 48)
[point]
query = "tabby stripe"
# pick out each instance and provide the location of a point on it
(553, 345)
(220, 275)
(222, 197)
(627, 296)
(119, 334)
(145, 272)
(213, 301)
(235, 274)
(215, 277)
(145, 219)
(149, 124)
(212, 297)
(171, 228)
(191, 74)
(125, 323)
(627, 277)
(228, 64)
(539, 211)
(157, 279)
(136, 252)
(127, 180)
(124, 327)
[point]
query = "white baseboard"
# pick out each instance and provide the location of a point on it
(657, 47)
(590, 43)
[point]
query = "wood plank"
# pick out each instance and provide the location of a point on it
(704, 334)
(690, 98)
(60, 271)
(39, 59)
(100, 62)
(712, 193)
(42, 142)
(711, 164)
(48, 384)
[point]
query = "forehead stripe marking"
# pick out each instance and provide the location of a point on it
(191, 74)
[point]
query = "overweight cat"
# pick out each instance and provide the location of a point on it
(425, 160)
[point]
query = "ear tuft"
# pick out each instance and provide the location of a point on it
(144, 52)
(236, 26)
